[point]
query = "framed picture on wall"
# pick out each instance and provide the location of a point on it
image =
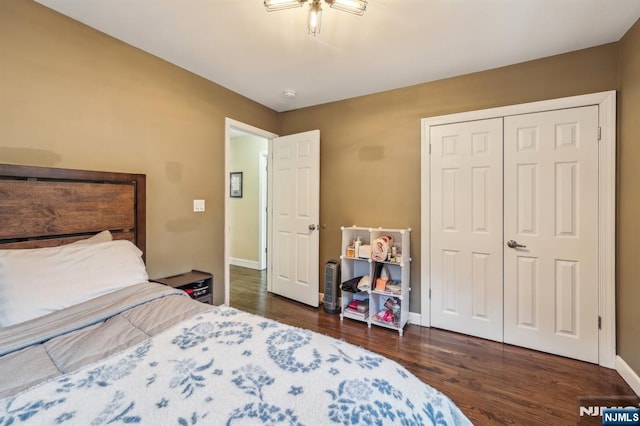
(235, 189)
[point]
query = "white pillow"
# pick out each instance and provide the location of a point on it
(35, 282)
(100, 237)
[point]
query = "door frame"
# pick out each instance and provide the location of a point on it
(230, 123)
(263, 179)
(606, 101)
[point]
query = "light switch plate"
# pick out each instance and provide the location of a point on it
(198, 205)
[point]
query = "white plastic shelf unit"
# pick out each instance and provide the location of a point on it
(399, 269)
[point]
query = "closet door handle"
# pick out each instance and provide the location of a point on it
(514, 244)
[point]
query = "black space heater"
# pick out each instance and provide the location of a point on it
(331, 300)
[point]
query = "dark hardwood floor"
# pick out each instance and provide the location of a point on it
(492, 383)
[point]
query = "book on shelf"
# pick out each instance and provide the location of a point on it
(357, 314)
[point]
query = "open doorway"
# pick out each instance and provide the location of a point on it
(246, 167)
(293, 188)
(248, 200)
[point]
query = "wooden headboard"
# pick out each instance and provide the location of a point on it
(44, 207)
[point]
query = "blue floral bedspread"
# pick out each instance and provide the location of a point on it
(230, 367)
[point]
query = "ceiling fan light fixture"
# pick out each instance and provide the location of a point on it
(357, 7)
(315, 17)
(274, 5)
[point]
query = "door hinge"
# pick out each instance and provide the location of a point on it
(599, 322)
(429, 293)
(599, 133)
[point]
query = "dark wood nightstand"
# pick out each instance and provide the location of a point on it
(197, 284)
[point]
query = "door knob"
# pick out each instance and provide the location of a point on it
(312, 227)
(514, 244)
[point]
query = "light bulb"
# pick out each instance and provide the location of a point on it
(315, 17)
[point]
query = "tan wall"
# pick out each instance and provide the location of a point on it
(244, 212)
(370, 146)
(628, 243)
(73, 97)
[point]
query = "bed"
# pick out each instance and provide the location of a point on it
(86, 339)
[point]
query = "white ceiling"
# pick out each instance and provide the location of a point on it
(396, 43)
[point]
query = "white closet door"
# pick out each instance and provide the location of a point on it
(551, 207)
(466, 228)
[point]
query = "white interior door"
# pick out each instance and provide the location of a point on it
(466, 227)
(296, 212)
(551, 207)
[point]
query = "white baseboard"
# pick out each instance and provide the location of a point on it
(252, 264)
(414, 318)
(627, 373)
